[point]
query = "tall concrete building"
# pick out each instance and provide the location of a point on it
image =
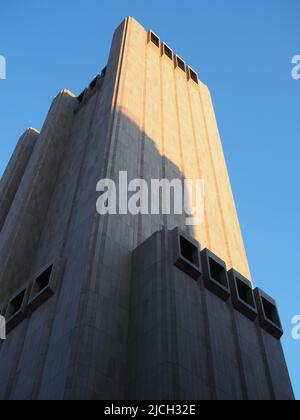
(130, 306)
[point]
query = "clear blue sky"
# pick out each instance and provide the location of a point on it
(241, 49)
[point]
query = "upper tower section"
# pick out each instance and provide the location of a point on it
(159, 93)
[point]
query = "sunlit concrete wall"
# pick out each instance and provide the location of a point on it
(176, 116)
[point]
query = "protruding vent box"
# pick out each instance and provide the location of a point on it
(242, 295)
(16, 309)
(103, 72)
(166, 50)
(215, 274)
(192, 75)
(180, 63)
(81, 97)
(154, 39)
(268, 314)
(93, 84)
(187, 254)
(45, 284)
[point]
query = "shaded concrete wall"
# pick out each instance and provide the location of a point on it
(187, 343)
(20, 235)
(66, 230)
(15, 171)
(69, 228)
(168, 348)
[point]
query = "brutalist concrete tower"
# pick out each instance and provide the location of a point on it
(129, 306)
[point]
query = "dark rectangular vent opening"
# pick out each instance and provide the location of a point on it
(270, 312)
(43, 280)
(244, 293)
(193, 75)
(155, 39)
(180, 64)
(167, 51)
(16, 304)
(94, 83)
(189, 251)
(217, 272)
(81, 96)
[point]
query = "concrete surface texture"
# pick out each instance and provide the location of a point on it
(97, 306)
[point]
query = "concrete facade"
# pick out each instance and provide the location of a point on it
(187, 342)
(110, 307)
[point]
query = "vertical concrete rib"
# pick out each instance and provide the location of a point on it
(180, 135)
(202, 231)
(34, 194)
(143, 140)
(14, 173)
(62, 251)
(226, 251)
